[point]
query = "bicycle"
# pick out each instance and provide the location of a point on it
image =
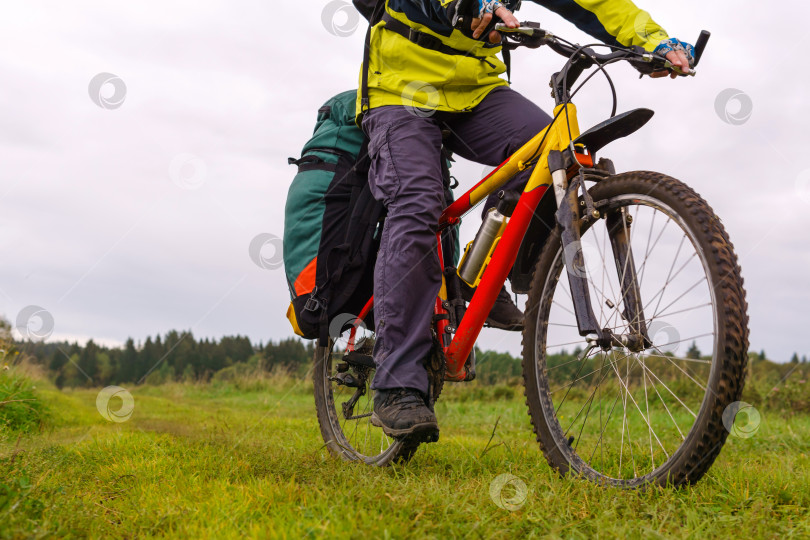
(625, 407)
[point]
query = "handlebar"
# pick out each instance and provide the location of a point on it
(700, 44)
(530, 34)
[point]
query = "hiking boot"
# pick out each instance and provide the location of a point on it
(402, 412)
(504, 314)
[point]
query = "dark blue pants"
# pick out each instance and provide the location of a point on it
(406, 176)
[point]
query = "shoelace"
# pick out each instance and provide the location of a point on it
(406, 400)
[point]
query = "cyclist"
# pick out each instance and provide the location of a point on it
(425, 77)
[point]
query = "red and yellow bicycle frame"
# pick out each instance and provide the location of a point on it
(557, 136)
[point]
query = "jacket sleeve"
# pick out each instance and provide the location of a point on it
(445, 9)
(614, 22)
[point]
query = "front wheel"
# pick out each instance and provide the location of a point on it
(644, 414)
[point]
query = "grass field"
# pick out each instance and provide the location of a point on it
(217, 461)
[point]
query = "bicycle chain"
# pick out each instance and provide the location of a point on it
(436, 365)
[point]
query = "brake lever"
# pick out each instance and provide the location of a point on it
(669, 66)
(525, 28)
(528, 35)
(678, 71)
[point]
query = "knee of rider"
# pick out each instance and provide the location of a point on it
(424, 207)
(525, 133)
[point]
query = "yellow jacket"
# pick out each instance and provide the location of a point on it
(402, 72)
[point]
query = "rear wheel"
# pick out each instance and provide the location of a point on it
(344, 401)
(631, 416)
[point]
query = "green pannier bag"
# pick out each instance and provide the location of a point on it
(332, 224)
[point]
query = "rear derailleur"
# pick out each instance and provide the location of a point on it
(353, 372)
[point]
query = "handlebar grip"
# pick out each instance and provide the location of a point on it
(701, 44)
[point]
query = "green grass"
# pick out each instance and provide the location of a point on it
(20, 409)
(218, 461)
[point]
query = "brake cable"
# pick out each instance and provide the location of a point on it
(600, 67)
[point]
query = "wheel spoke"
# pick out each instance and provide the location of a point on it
(630, 395)
(564, 308)
(660, 293)
(693, 338)
(681, 358)
(590, 403)
(625, 411)
(644, 263)
(599, 442)
(579, 370)
(602, 254)
(647, 403)
(633, 270)
(647, 248)
(563, 344)
(569, 385)
(588, 400)
(702, 386)
(669, 390)
(671, 313)
(664, 403)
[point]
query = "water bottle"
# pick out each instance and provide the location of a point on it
(478, 252)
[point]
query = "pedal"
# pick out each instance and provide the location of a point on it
(347, 379)
(469, 366)
(357, 359)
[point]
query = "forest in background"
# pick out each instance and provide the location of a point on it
(178, 356)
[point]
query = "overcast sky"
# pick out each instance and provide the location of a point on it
(130, 218)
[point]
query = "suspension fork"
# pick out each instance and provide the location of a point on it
(618, 224)
(568, 218)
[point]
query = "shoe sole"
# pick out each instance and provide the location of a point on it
(424, 432)
(499, 326)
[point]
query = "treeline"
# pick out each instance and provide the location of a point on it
(177, 356)
(564, 366)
